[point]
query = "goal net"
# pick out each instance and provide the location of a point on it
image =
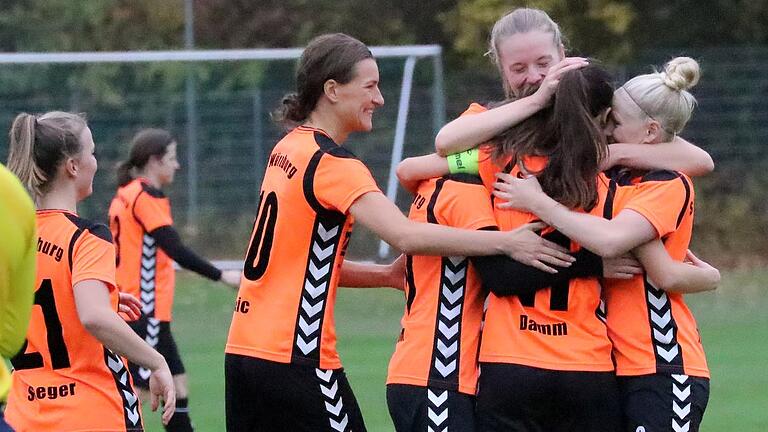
(217, 103)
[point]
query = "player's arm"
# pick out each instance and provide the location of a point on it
(607, 238)
(675, 276)
(677, 155)
(355, 274)
(170, 242)
(504, 276)
(411, 171)
(469, 131)
(98, 318)
(381, 216)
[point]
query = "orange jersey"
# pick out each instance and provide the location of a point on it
(444, 299)
(284, 309)
(64, 379)
(654, 331)
(558, 328)
(143, 269)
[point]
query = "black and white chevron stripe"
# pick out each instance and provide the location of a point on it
(148, 294)
(334, 405)
(148, 275)
(445, 353)
(325, 242)
(152, 337)
(663, 328)
(437, 410)
(120, 373)
(681, 405)
(601, 312)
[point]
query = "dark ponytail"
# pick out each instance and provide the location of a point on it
(146, 143)
(568, 134)
(326, 57)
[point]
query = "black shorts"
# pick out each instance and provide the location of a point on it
(158, 335)
(262, 395)
(663, 402)
(419, 409)
(522, 398)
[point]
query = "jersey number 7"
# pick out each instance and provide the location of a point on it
(59, 355)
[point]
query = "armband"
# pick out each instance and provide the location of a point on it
(465, 162)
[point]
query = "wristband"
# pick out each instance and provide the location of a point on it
(465, 162)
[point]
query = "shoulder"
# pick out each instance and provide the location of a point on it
(660, 176)
(94, 228)
(151, 190)
(469, 179)
(330, 148)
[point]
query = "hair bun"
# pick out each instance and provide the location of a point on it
(681, 73)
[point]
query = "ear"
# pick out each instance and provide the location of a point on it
(71, 167)
(652, 132)
(330, 89)
(561, 51)
(603, 117)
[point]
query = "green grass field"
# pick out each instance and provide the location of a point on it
(733, 323)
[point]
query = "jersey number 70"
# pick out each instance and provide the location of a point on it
(263, 234)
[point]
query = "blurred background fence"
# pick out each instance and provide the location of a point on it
(234, 135)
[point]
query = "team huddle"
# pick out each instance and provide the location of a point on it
(545, 258)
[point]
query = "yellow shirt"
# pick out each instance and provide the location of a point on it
(17, 268)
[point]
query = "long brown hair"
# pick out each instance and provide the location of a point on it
(329, 56)
(568, 135)
(40, 143)
(147, 143)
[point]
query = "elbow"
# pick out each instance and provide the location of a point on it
(667, 282)
(609, 249)
(707, 166)
(93, 323)
(405, 241)
(403, 172)
(442, 143)
(406, 245)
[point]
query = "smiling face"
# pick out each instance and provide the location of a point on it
(629, 124)
(360, 97)
(525, 58)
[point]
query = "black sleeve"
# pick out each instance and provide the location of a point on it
(504, 276)
(171, 244)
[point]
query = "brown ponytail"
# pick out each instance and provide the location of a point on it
(567, 133)
(38, 145)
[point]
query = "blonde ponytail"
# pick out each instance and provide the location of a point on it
(21, 156)
(38, 144)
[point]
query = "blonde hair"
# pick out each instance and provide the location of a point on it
(38, 145)
(521, 20)
(664, 97)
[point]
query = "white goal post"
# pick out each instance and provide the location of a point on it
(411, 54)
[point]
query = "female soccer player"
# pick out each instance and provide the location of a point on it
(432, 378)
(527, 46)
(664, 379)
(282, 368)
(69, 375)
(147, 244)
